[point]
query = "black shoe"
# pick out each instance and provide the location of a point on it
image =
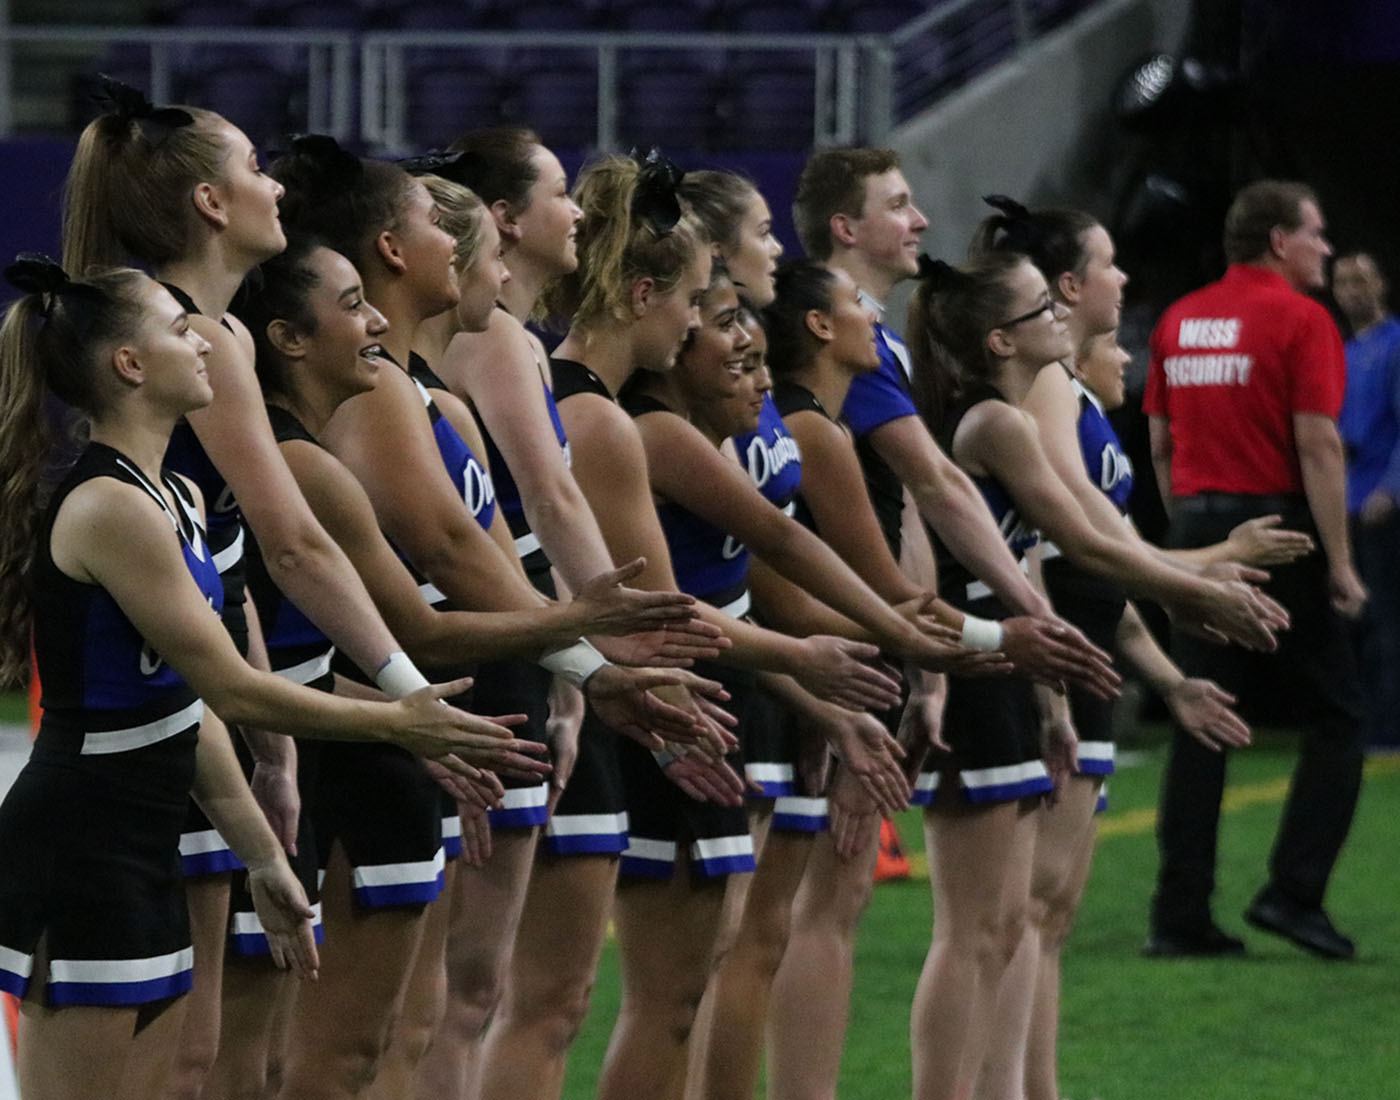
(1205, 942)
(1307, 926)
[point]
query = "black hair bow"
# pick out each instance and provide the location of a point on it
(327, 164)
(131, 105)
(940, 275)
(656, 200)
(1020, 231)
(35, 273)
(465, 167)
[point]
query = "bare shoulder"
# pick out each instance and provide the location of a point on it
(101, 518)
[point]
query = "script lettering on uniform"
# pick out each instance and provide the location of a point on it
(765, 460)
(1114, 466)
(478, 490)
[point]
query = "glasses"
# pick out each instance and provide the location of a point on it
(1047, 306)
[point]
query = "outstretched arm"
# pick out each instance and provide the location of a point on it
(302, 559)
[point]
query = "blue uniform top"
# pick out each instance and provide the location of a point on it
(296, 647)
(1109, 468)
(955, 581)
(875, 399)
(527, 544)
(708, 563)
(771, 456)
(186, 455)
(105, 690)
(1370, 419)
(468, 473)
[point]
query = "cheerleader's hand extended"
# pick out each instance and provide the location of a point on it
(854, 817)
(701, 778)
(285, 916)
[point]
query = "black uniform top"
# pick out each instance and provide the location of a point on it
(186, 455)
(105, 690)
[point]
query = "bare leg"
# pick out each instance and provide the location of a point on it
(727, 1052)
(812, 990)
(557, 948)
(153, 1049)
(255, 993)
(1065, 849)
(198, 1043)
(666, 930)
(421, 1001)
(980, 865)
(70, 1053)
(486, 905)
(343, 1020)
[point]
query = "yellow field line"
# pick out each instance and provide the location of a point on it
(1138, 822)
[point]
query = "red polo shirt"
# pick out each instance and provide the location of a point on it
(1231, 364)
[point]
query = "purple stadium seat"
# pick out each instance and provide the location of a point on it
(438, 16)
(659, 15)
(561, 105)
(878, 16)
(257, 99)
(547, 15)
(672, 107)
(328, 15)
(210, 13)
(774, 17)
(446, 102)
(773, 107)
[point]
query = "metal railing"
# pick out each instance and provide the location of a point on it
(864, 84)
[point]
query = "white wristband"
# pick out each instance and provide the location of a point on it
(983, 634)
(574, 663)
(399, 676)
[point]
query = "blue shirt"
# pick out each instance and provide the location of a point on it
(1370, 419)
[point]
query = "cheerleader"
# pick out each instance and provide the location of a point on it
(978, 339)
(179, 189)
(118, 582)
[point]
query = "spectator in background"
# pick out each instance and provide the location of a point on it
(1370, 427)
(1243, 391)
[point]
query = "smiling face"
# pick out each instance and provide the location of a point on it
(754, 258)
(170, 354)
(1099, 366)
(344, 346)
(710, 364)
(1035, 334)
(547, 225)
(890, 227)
(480, 284)
(249, 196)
(739, 412)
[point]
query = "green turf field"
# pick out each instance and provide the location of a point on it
(1277, 1025)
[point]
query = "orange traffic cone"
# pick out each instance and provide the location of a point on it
(890, 862)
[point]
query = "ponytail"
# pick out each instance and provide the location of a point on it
(952, 313)
(47, 345)
(1052, 239)
(633, 228)
(799, 287)
(128, 192)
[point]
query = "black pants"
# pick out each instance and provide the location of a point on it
(1314, 671)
